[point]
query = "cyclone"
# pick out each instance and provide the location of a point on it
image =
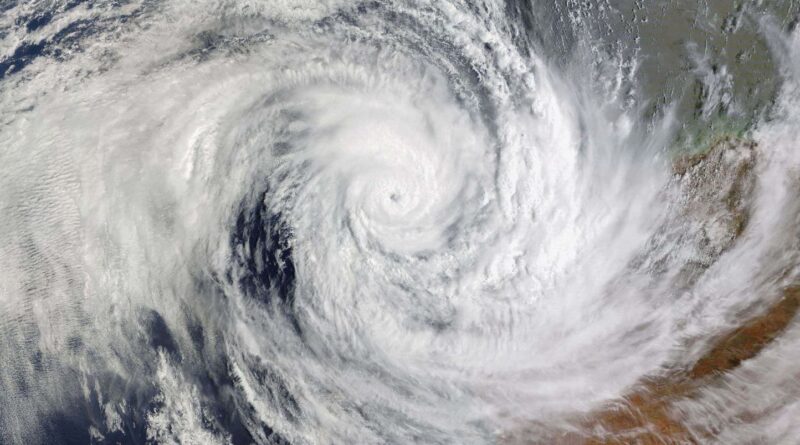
(359, 222)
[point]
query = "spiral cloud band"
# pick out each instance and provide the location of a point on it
(347, 222)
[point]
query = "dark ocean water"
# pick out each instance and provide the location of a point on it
(324, 222)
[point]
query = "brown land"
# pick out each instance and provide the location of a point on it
(644, 416)
(720, 191)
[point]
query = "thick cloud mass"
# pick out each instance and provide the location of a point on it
(335, 222)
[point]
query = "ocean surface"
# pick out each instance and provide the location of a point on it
(399, 222)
